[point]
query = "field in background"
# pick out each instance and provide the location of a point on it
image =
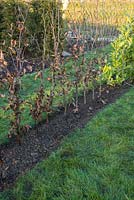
(110, 12)
(98, 20)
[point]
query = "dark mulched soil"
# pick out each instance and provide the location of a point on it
(17, 159)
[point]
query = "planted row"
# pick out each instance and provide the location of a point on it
(61, 84)
(57, 86)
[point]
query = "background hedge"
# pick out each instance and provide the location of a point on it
(36, 11)
(121, 66)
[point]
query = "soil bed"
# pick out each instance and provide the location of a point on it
(36, 146)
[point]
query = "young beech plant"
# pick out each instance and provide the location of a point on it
(55, 27)
(91, 77)
(43, 102)
(11, 77)
(85, 77)
(101, 62)
(57, 72)
(85, 82)
(77, 50)
(63, 79)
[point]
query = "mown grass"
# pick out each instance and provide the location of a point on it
(29, 89)
(95, 163)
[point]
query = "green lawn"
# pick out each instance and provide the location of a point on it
(29, 89)
(95, 163)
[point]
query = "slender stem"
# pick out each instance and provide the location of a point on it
(85, 99)
(76, 103)
(93, 95)
(100, 88)
(65, 102)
